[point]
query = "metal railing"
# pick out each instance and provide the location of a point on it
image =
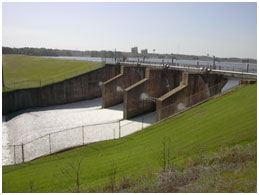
(199, 66)
(9, 86)
(69, 138)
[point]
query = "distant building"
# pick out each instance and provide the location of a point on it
(134, 50)
(144, 51)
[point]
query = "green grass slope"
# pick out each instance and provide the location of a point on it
(40, 71)
(221, 122)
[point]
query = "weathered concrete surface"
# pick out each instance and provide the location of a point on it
(82, 87)
(156, 83)
(127, 77)
(195, 88)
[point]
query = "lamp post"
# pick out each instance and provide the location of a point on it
(3, 84)
(173, 59)
(213, 60)
(115, 56)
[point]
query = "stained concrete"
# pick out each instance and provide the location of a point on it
(156, 83)
(166, 87)
(195, 88)
(127, 77)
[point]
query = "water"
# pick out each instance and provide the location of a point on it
(231, 83)
(225, 65)
(91, 59)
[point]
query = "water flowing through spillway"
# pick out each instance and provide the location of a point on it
(67, 125)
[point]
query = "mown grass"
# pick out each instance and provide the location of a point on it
(22, 71)
(221, 122)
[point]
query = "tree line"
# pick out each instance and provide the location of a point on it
(112, 54)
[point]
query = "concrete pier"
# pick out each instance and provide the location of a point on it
(127, 77)
(194, 89)
(156, 83)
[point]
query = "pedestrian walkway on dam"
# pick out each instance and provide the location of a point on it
(36, 123)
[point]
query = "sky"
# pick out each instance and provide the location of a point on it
(220, 29)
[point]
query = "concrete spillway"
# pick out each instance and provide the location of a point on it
(51, 122)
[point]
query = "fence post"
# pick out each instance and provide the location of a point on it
(83, 134)
(14, 158)
(49, 144)
(119, 129)
(113, 133)
(22, 154)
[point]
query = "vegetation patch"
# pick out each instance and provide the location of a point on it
(232, 169)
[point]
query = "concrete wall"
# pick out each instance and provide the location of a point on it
(127, 77)
(78, 88)
(156, 83)
(195, 88)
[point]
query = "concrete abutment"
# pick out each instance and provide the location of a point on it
(194, 89)
(111, 95)
(167, 91)
(156, 83)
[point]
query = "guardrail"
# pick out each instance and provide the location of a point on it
(189, 66)
(229, 72)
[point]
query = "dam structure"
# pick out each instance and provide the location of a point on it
(108, 103)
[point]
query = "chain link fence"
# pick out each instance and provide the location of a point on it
(73, 137)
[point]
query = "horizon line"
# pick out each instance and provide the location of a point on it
(128, 52)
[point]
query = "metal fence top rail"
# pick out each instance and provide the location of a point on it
(63, 130)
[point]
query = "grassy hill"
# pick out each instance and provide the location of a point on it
(29, 71)
(219, 123)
